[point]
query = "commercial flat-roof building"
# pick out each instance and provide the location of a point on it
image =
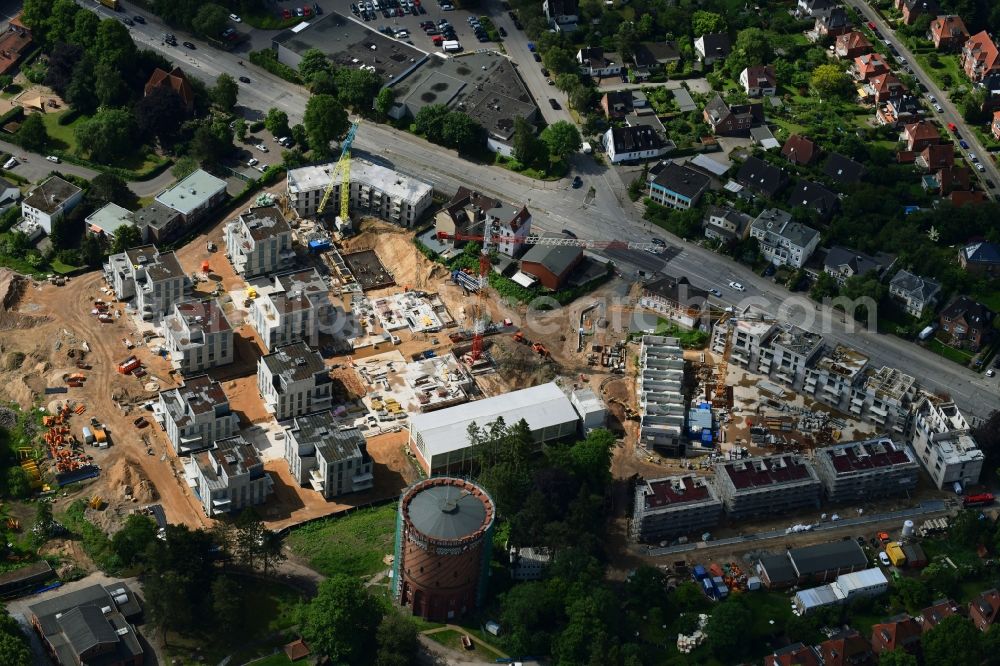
(107, 219)
(332, 459)
(157, 223)
(153, 279)
(678, 186)
(835, 378)
(674, 506)
(943, 442)
(866, 583)
(194, 196)
(293, 380)
(440, 439)
(229, 477)
(375, 190)
(857, 471)
(198, 336)
(259, 242)
(824, 561)
(766, 485)
(92, 625)
(590, 407)
(294, 307)
(196, 415)
(660, 389)
(49, 201)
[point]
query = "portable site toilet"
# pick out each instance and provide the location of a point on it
(753, 583)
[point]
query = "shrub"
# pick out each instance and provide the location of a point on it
(269, 61)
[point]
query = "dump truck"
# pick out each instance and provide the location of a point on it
(101, 438)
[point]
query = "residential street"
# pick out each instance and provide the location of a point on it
(951, 114)
(608, 215)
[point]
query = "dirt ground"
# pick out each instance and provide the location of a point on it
(393, 470)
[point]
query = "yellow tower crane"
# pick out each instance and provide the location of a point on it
(343, 170)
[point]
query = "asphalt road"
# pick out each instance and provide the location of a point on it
(602, 214)
(951, 113)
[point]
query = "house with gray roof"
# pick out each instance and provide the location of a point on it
(194, 196)
(726, 224)
(842, 170)
(844, 262)
(981, 258)
(158, 223)
(783, 241)
(761, 178)
(92, 626)
(229, 477)
(815, 197)
(49, 201)
(712, 47)
(678, 186)
(915, 292)
(326, 455)
(293, 380)
(551, 265)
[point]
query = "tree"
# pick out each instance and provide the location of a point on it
(897, 657)
(528, 148)
(341, 620)
(109, 86)
(830, 81)
(240, 129)
(726, 644)
(560, 60)
(92, 250)
(562, 138)
(991, 645)
(705, 23)
(107, 187)
(356, 88)
(14, 647)
(227, 605)
(81, 92)
(967, 529)
(325, 120)
(429, 120)
(825, 287)
(626, 39)
(754, 45)
(32, 133)
(126, 236)
(18, 485)
(226, 92)
(212, 141)
(913, 594)
(107, 136)
(276, 122)
(210, 20)
(461, 132)
(581, 97)
(954, 640)
(313, 62)
(184, 167)
(113, 44)
(397, 640)
(384, 100)
(63, 59)
(132, 541)
(160, 114)
(300, 136)
(248, 538)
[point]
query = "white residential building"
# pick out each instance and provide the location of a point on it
(293, 380)
(196, 415)
(49, 201)
(259, 242)
(660, 390)
(294, 307)
(472, 213)
(198, 336)
(782, 241)
(593, 61)
(228, 478)
(914, 291)
(329, 457)
(943, 442)
(153, 279)
(375, 191)
(636, 142)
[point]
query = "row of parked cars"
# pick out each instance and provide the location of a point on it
(305, 11)
(388, 8)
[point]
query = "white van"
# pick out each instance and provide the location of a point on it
(10, 164)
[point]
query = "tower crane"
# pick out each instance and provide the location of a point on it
(343, 170)
(495, 237)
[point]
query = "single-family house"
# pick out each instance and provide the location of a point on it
(852, 44)
(617, 104)
(913, 9)
(995, 125)
(842, 170)
(967, 323)
(472, 213)
(726, 224)
(948, 32)
(846, 648)
(636, 142)
(712, 47)
(984, 609)
(104, 221)
(649, 57)
(844, 262)
(49, 201)
(763, 136)
(815, 197)
(980, 258)
(835, 24)
(946, 180)
(594, 62)
(885, 87)
(800, 150)
(898, 632)
(814, 8)
(921, 134)
(782, 241)
(730, 120)
(795, 654)
(869, 65)
(915, 292)
(15, 44)
(936, 156)
(761, 178)
(759, 81)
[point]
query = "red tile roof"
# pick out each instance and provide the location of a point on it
(948, 28)
(14, 45)
(799, 149)
(869, 65)
(982, 50)
(175, 79)
(921, 131)
(852, 40)
(896, 633)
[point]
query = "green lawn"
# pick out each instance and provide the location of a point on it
(64, 140)
(948, 64)
(950, 353)
(59, 267)
(354, 544)
(989, 298)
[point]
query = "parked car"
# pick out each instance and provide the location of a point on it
(554, 104)
(973, 158)
(871, 26)
(545, 72)
(235, 19)
(991, 372)
(964, 144)
(261, 167)
(715, 292)
(11, 163)
(253, 161)
(503, 33)
(245, 79)
(189, 45)
(737, 286)
(937, 107)
(537, 57)
(138, 19)
(980, 168)
(577, 182)
(261, 147)
(127, 21)
(53, 158)
(884, 559)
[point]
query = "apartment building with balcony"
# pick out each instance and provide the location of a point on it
(326, 456)
(857, 471)
(259, 242)
(196, 415)
(783, 242)
(767, 485)
(674, 506)
(151, 280)
(228, 478)
(660, 389)
(835, 378)
(198, 336)
(293, 380)
(375, 191)
(294, 307)
(943, 442)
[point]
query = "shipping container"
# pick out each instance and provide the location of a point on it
(319, 245)
(699, 572)
(451, 46)
(708, 587)
(88, 437)
(895, 553)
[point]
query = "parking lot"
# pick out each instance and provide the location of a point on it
(389, 21)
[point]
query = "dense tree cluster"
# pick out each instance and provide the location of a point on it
(452, 129)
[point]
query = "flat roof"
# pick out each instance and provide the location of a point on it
(109, 217)
(796, 340)
(208, 316)
(155, 215)
(233, 455)
(676, 491)
(199, 395)
(446, 429)
(192, 192)
(868, 455)
(348, 43)
(294, 362)
(397, 185)
(844, 361)
(321, 431)
(762, 472)
(860, 580)
(265, 222)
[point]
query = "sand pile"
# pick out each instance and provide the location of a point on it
(126, 479)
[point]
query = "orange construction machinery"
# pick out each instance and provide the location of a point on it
(497, 238)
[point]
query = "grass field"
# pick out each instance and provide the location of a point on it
(64, 140)
(948, 64)
(354, 544)
(950, 353)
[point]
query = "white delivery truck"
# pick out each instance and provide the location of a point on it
(451, 46)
